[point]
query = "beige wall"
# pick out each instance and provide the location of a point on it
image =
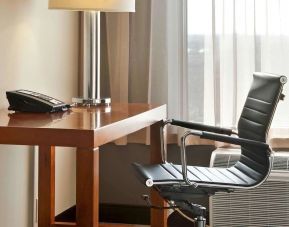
(38, 51)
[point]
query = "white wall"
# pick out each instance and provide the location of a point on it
(38, 51)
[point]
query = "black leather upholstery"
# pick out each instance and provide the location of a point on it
(256, 118)
(255, 163)
(169, 173)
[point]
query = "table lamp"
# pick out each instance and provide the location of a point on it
(91, 41)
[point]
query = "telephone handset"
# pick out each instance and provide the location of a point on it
(29, 101)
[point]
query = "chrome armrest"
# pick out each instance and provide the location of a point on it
(164, 152)
(184, 157)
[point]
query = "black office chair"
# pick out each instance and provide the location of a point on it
(181, 184)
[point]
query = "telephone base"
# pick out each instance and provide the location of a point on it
(91, 102)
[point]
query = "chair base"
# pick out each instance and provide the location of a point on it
(196, 210)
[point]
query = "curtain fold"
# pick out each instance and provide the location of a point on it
(117, 25)
(117, 28)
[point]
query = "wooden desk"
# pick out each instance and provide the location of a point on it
(86, 129)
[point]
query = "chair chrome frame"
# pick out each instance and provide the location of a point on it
(173, 181)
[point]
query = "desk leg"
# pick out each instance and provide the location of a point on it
(46, 186)
(87, 187)
(158, 217)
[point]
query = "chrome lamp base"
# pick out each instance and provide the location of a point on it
(90, 92)
(91, 102)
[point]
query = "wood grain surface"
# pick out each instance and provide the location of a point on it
(86, 128)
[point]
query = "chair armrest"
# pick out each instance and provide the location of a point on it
(202, 127)
(190, 125)
(233, 140)
(215, 137)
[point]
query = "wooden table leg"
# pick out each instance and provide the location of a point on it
(87, 187)
(158, 217)
(46, 186)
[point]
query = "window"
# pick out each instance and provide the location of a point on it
(227, 40)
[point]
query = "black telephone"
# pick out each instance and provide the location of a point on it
(29, 101)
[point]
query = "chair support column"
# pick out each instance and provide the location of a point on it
(200, 221)
(196, 210)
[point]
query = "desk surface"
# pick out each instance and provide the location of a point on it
(87, 127)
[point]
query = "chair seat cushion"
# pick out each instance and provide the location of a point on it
(169, 174)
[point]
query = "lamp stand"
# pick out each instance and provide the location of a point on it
(91, 62)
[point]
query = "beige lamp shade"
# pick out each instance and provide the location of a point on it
(96, 5)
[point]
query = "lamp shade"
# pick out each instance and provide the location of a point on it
(96, 5)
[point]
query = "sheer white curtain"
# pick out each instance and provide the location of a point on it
(227, 41)
(199, 56)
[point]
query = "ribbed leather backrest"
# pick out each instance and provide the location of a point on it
(256, 117)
